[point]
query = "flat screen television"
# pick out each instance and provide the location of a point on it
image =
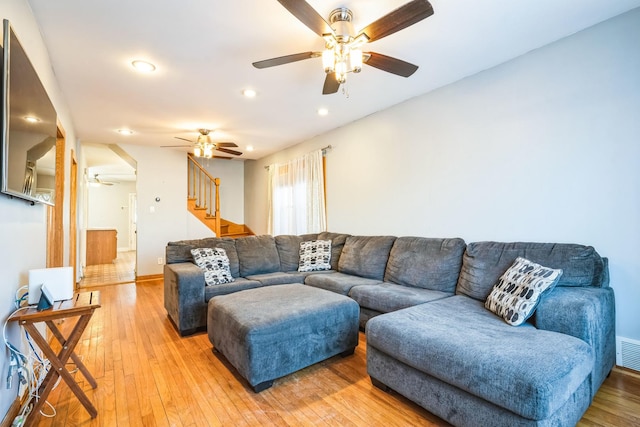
(29, 127)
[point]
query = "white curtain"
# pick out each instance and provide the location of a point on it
(296, 196)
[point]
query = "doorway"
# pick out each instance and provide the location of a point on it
(109, 221)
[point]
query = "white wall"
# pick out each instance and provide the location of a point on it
(161, 173)
(22, 226)
(545, 147)
(108, 207)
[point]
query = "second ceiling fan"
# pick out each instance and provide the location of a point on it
(205, 147)
(343, 46)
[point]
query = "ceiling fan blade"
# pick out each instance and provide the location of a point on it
(281, 60)
(390, 65)
(331, 85)
(175, 146)
(185, 139)
(226, 150)
(401, 18)
(226, 144)
(307, 15)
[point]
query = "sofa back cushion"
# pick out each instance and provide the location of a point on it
(180, 251)
(337, 244)
(365, 256)
(258, 255)
(289, 250)
(425, 263)
(484, 262)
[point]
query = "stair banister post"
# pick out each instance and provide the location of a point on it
(216, 181)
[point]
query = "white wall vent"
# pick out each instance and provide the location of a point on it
(628, 353)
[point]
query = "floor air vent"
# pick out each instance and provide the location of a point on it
(629, 353)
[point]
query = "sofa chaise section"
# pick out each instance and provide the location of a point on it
(466, 365)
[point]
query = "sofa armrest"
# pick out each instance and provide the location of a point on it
(587, 313)
(184, 297)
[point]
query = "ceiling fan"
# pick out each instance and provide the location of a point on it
(204, 146)
(97, 181)
(343, 53)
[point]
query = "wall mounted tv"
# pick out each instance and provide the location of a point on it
(29, 127)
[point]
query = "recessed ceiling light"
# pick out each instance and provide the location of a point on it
(32, 119)
(249, 147)
(143, 66)
(323, 111)
(249, 93)
(125, 131)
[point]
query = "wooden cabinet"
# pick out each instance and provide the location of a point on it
(102, 246)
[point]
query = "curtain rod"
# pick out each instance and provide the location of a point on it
(324, 151)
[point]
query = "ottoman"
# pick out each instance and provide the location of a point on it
(267, 333)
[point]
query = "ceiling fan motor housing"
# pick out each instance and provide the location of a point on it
(340, 20)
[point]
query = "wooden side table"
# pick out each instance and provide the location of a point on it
(83, 305)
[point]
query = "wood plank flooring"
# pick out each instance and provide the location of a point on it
(121, 270)
(149, 376)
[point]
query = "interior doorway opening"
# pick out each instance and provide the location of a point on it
(110, 215)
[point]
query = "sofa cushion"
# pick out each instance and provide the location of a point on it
(516, 294)
(484, 262)
(338, 282)
(528, 371)
(315, 255)
(240, 284)
(425, 263)
(289, 250)
(257, 255)
(180, 251)
(337, 244)
(278, 278)
(365, 256)
(388, 297)
(215, 264)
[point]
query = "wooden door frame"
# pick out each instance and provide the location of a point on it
(55, 218)
(73, 216)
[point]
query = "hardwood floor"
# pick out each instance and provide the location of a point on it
(148, 376)
(121, 270)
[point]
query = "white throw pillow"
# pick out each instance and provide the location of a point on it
(215, 263)
(518, 291)
(315, 255)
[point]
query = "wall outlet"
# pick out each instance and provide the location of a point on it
(160, 260)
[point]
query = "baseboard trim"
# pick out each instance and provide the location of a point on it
(149, 278)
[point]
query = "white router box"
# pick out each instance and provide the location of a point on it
(58, 280)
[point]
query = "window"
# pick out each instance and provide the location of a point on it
(296, 196)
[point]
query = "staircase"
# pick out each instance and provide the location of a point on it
(203, 201)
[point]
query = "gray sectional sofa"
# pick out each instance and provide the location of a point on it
(429, 336)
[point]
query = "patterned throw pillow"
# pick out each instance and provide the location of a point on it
(315, 255)
(215, 263)
(517, 293)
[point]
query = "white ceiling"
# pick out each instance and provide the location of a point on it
(203, 50)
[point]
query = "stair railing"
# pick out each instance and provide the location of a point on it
(205, 190)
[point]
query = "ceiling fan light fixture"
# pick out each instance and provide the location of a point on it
(208, 151)
(197, 151)
(355, 60)
(328, 60)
